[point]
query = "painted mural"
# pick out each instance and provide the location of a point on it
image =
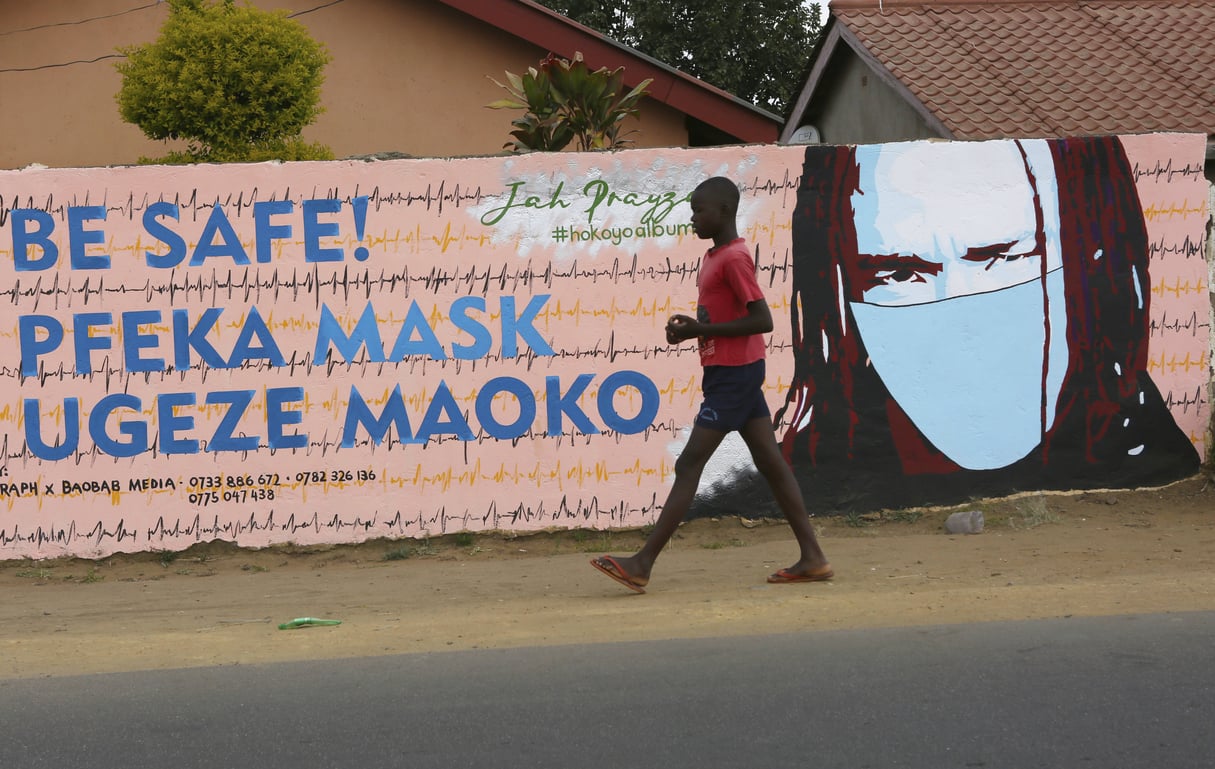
(978, 319)
(335, 352)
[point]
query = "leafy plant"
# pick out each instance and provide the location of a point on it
(565, 100)
(237, 84)
(856, 520)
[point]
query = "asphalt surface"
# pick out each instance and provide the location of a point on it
(1106, 693)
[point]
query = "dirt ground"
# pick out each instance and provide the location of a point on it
(1040, 555)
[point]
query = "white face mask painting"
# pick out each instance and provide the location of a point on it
(948, 293)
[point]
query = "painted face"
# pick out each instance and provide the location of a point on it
(936, 221)
(957, 289)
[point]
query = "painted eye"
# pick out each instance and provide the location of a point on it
(999, 253)
(894, 272)
(901, 275)
(995, 259)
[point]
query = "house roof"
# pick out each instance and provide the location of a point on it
(555, 33)
(979, 69)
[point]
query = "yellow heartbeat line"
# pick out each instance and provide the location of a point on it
(1185, 210)
(657, 311)
(577, 474)
(1172, 364)
(1178, 288)
(768, 231)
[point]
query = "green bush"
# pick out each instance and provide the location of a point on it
(292, 149)
(237, 84)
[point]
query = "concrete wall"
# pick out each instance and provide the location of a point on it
(407, 76)
(858, 107)
(1210, 457)
(333, 352)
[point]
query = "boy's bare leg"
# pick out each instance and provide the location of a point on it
(771, 464)
(688, 468)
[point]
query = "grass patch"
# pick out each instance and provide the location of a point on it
(399, 554)
(904, 516)
(35, 574)
(723, 545)
(592, 541)
(464, 539)
(1031, 512)
(92, 577)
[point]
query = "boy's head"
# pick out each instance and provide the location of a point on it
(714, 207)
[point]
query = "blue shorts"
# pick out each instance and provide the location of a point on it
(734, 395)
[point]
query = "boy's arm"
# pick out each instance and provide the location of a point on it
(758, 320)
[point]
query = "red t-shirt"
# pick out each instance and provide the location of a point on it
(727, 285)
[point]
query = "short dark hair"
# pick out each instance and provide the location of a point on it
(720, 190)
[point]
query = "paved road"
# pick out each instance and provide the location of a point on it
(1103, 693)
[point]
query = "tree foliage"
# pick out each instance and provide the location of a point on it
(565, 100)
(236, 83)
(754, 49)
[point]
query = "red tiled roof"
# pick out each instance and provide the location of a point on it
(991, 68)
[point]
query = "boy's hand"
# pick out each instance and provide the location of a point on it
(681, 328)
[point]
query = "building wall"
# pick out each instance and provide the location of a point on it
(1210, 457)
(854, 106)
(340, 351)
(406, 76)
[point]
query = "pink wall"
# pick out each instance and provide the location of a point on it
(1173, 192)
(187, 303)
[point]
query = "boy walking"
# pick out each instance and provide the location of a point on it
(732, 317)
